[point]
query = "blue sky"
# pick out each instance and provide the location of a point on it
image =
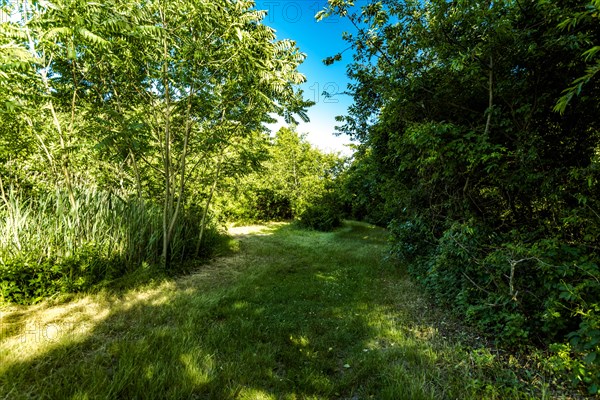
(294, 19)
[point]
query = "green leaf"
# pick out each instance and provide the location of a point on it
(322, 14)
(590, 357)
(92, 37)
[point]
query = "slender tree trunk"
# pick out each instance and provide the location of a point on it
(488, 124)
(206, 206)
(182, 162)
(3, 194)
(211, 193)
(168, 200)
(490, 98)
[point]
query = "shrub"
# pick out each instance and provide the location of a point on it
(268, 204)
(410, 238)
(323, 214)
(546, 291)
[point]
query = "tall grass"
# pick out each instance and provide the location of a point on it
(49, 245)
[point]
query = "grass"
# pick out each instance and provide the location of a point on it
(48, 226)
(50, 246)
(290, 314)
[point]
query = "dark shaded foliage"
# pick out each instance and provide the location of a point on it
(492, 197)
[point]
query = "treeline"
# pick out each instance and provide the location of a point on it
(295, 181)
(479, 149)
(119, 125)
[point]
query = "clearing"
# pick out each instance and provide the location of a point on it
(290, 314)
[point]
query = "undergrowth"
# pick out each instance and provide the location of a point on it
(50, 245)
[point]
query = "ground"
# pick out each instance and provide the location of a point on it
(288, 314)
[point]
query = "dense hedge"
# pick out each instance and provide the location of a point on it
(488, 177)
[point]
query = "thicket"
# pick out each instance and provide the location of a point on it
(119, 124)
(479, 132)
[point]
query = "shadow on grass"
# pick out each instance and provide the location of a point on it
(292, 315)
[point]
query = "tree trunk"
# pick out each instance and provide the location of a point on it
(206, 206)
(182, 162)
(168, 200)
(491, 98)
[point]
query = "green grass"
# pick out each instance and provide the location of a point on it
(290, 314)
(49, 246)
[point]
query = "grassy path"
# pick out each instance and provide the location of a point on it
(290, 315)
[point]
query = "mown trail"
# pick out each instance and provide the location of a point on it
(291, 314)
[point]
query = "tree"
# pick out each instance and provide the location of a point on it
(488, 191)
(134, 113)
(182, 80)
(578, 18)
(291, 178)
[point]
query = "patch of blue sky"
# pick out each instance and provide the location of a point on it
(294, 19)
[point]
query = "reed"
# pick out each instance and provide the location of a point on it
(48, 244)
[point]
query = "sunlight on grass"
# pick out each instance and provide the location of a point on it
(299, 341)
(258, 230)
(239, 305)
(291, 315)
(254, 394)
(200, 369)
(30, 332)
(327, 278)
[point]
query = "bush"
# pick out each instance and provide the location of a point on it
(323, 214)
(268, 205)
(29, 281)
(410, 239)
(546, 291)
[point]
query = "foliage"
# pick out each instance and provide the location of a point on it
(264, 204)
(119, 123)
(491, 196)
(574, 22)
(323, 214)
(293, 177)
(48, 247)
